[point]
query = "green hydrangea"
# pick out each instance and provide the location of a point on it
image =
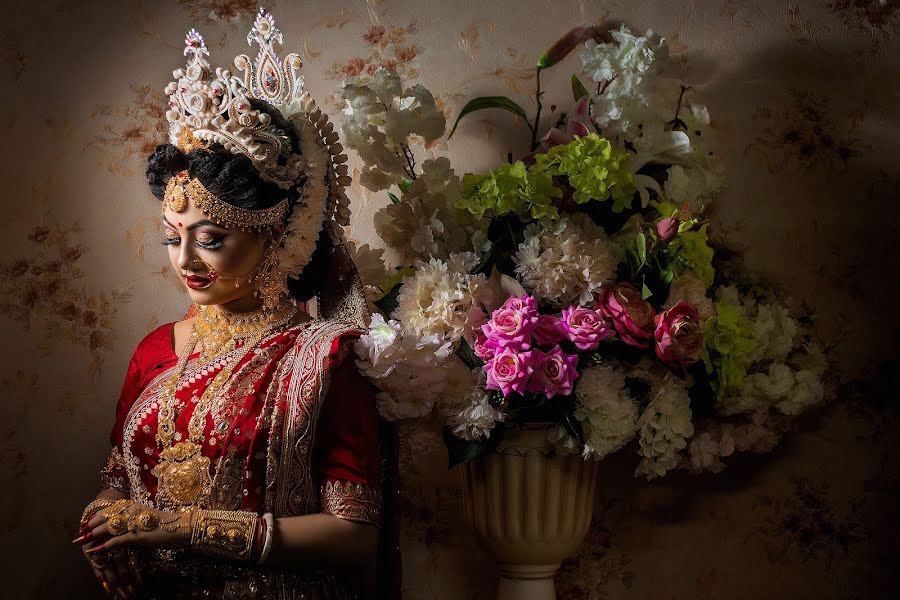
(509, 189)
(728, 345)
(593, 167)
(691, 251)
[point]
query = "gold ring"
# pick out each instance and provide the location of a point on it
(147, 521)
(117, 524)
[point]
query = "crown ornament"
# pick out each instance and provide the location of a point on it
(209, 105)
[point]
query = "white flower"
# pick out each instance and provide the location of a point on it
(565, 261)
(426, 224)
(437, 299)
(663, 428)
(688, 287)
(695, 186)
(607, 412)
(562, 442)
(477, 418)
(625, 67)
(774, 331)
(705, 453)
(380, 118)
(369, 262)
(808, 392)
(759, 390)
(407, 369)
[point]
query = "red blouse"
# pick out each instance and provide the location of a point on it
(346, 443)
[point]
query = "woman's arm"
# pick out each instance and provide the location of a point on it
(323, 541)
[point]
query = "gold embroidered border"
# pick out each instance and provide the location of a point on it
(114, 475)
(351, 501)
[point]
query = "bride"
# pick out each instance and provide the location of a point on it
(247, 454)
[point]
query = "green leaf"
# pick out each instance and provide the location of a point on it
(388, 303)
(460, 451)
(467, 355)
(578, 89)
(404, 184)
(491, 102)
(393, 197)
(645, 291)
(641, 241)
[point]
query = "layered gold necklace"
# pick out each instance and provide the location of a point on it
(182, 475)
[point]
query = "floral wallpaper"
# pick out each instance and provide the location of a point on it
(805, 99)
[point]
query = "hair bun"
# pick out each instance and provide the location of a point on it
(162, 165)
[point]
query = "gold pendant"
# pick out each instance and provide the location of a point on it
(183, 476)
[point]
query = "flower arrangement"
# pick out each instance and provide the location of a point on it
(577, 286)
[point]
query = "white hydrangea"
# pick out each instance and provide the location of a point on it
(759, 390)
(565, 261)
(691, 289)
(426, 224)
(774, 331)
(607, 412)
(380, 118)
(478, 417)
(706, 453)
(807, 392)
(664, 427)
(439, 298)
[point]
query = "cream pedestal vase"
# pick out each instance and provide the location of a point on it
(530, 509)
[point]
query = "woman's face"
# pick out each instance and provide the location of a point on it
(211, 259)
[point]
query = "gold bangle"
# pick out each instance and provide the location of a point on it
(224, 533)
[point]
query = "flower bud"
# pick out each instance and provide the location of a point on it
(667, 229)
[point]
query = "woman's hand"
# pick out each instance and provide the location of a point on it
(128, 523)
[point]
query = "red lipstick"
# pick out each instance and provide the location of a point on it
(196, 282)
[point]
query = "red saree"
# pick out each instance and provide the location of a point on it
(294, 431)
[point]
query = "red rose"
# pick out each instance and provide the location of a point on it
(679, 337)
(631, 316)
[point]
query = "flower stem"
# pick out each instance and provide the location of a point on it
(537, 117)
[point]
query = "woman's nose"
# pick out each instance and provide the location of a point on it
(186, 257)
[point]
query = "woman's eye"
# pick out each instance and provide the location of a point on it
(171, 240)
(209, 243)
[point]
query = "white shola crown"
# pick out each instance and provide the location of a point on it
(216, 108)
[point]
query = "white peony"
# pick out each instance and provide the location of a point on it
(407, 369)
(439, 297)
(607, 413)
(564, 262)
(664, 427)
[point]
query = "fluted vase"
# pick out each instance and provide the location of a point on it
(530, 508)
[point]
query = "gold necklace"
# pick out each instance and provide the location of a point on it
(182, 474)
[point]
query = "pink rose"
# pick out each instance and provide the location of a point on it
(679, 337)
(524, 303)
(548, 330)
(509, 371)
(586, 327)
(484, 348)
(511, 327)
(630, 315)
(667, 229)
(554, 372)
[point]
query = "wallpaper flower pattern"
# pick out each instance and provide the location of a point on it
(805, 97)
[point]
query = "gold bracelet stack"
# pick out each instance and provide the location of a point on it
(94, 507)
(225, 533)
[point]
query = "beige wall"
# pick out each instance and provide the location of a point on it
(804, 96)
